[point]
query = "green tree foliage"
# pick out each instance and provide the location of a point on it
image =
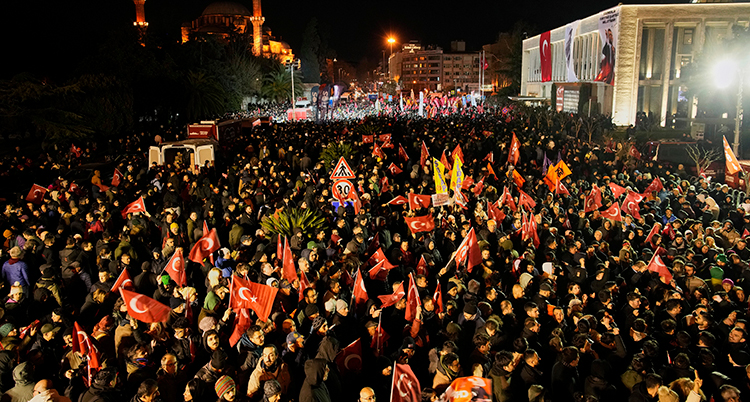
(40, 109)
(204, 96)
(309, 52)
(277, 85)
(106, 102)
(333, 152)
(287, 220)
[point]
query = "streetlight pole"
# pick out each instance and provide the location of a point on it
(737, 118)
(291, 70)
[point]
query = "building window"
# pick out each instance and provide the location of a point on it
(687, 37)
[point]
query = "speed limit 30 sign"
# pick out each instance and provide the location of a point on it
(342, 189)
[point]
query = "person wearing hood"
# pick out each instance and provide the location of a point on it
(647, 390)
(597, 383)
(214, 369)
(314, 388)
(448, 369)
(328, 348)
(501, 372)
(24, 388)
(148, 391)
(270, 367)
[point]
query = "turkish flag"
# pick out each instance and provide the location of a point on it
(490, 157)
(406, 386)
(545, 56)
(377, 257)
(304, 283)
(507, 199)
(630, 204)
(457, 153)
(437, 298)
(393, 298)
(654, 230)
(359, 293)
(368, 139)
(745, 233)
(123, 281)
(613, 213)
(425, 154)
(654, 187)
(417, 201)
(144, 308)
(74, 188)
(255, 296)
(75, 150)
(490, 170)
(289, 271)
(116, 178)
(135, 206)
(384, 137)
(356, 202)
(525, 200)
(205, 231)
(733, 165)
(82, 344)
(469, 249)
(350, 358)
(176, 268)
(374, 244)
(204, 247)
(399, 200)
(617, 190)
(394, 169)
(422, 266)
(467, 183)
(515, 151)
(380, 337)
(560, 188)
(379, 271)
(445, 162)
(402, 153)
(36, 194)
(346, 277)
(593, 200)
(420, 223)
(412, 299)
(377, 151)
(279, 246)
(658, 266)
(634, 152)
(495, 213)
(242, 322)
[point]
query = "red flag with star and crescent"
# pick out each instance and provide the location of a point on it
(412, 299)
(420, 223)
(255, 296)
(437, 298)
(655, 186)
(422, 266)
(405, 386)
(393, 298)
(560, 188)
(526, 200)
(176, 268)
(123, 281)
(395, 170)
(417, 201)
(634, 152)
(289, 271)
(144, 308)
(515, 151)
(304, 284)
(425, 155)
(359, 293)
(36, 194)
(204, 247)
(495, 213)
(469, 250)
(593, 201)
(135, 206)
(630, 204)
(116, 178)
(507, 199)
(613, 213)
(398, 200)
(349, 359)
(654, 230)
(242, 322)
(617, 190)
(545, 56)
(658, 266)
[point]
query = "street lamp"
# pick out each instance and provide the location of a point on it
(391, 41)
(724, 72)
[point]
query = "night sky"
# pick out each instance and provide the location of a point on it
(42, 35)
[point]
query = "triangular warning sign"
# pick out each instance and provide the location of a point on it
(342, 171)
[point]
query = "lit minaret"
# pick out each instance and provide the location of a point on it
(140, 18)
(257, 20)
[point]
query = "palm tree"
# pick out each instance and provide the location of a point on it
(204, 95)
(277, 86)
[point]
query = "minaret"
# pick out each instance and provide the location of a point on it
(140, 18)
(257, 20)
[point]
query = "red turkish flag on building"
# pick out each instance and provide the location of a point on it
(144, 308)
(613, 213)
(349, 358)
(289, 271)
(630, 204)
(406, 386)
(123, 281)
(560, 188)
(117, 178)
(658, 266)
(437, 298)
(545, 56)
(36, 194)
(398, 200)
(515, 151)
(204, 247)
(402, 153)
(255, 296)
(469, 249)
(135, 206)
(655, 186)
(507, 199)
(176, 268)
(457, 153)
(425, 155)
(242, 322)
(420, 223)
(422, 266)
(526, 200)
(394, 169)
(393, 298)
(617, 190)
(359, 293)
(412, 299)
(593, 201)
(417, 201)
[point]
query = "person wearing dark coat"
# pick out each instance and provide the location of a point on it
(314, 388)
(102, 389)
(327, 350)
(647, 390)
(565, 376)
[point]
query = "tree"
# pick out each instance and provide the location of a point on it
(510, 47)
(203, 95)
(309, 52)
(277, 85)
(702, 157)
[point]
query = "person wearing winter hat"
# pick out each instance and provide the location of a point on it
(15, 270)
(225, 388)
(7, 329)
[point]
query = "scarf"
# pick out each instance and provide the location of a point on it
(452, 375)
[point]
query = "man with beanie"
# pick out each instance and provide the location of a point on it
(24, 388)
(15, 270)
(213, 369)
(225, 388)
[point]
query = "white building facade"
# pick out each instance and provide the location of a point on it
(627, 59)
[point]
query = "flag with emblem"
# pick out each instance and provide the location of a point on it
(393, 298)
(560, 188)
(420, 223)
(515, 151)
(242, 322)
(457, 153)
(630, 204)
(634, 152)
(394, 169)
(437, 299)
(412, 299)
(654, 230)
(424, 155)
(507, 199)
(658, 266)
(123, 281)
(469, 251)
(289, 271)
(617, 190)
(417, 201)
(405, 386)
(176, 268)
(204, 247)
(349, 359)
(593, 201)
(144, 308)
(359, 293)
(117, 178)
(135, 206)
(457, 175)
(525, 200)
(255, 296)
(422, 266)
(438, 173)
(655, 187)
(36, 194)
(398, 200)
(613, 213)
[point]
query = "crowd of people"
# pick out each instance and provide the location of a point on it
(563, 304)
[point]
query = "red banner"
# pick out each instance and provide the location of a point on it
(545, 56)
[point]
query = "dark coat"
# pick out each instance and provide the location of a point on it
(313, 389)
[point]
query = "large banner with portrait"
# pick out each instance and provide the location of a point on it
(609, 30)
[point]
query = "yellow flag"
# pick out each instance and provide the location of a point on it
(562, 170)
(733, 166)
(457, 175)
(439, 174)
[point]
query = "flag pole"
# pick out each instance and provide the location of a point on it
(393, 379)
